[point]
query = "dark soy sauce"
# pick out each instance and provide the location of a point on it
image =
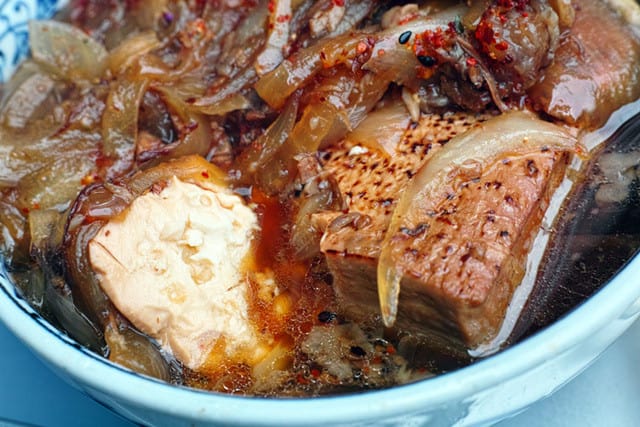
(597, 234)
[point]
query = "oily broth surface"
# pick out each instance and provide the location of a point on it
(596, 234)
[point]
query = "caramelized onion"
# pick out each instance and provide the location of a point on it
(66, 50)
(564, 10)
(276, 86)
(508, 134)
(382, 129)
(130, 50)
(265, 154)
(345, 99)
(136, 352)
(120, 122)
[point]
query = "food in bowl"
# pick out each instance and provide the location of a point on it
(301, 198)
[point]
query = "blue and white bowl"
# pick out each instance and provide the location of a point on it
(483, 393)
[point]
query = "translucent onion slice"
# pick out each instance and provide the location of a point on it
(565, 11)
(66, 50)
(130, 50)
(189, 168)
(193, 128)
(382, 129)
(514, 133)
(231, 103)
(267, 148)
(136, 352)
(275, 87)
(120, 122)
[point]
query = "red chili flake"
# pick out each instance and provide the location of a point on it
(272, 6)
(205, 174)
(471, 62)
(315, 372)
(361, 48)
(391, 349)
(339, 3)
(525, 14)
(283, 18)
(25, 211)
(381, 52)
(503, 45)
(301, 379)
(484, 32)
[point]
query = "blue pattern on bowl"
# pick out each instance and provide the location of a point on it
(14, 37)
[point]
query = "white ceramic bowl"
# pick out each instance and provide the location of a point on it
(483, 393)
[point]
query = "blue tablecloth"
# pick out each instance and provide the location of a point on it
(606, 394)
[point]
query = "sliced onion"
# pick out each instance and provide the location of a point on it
(193, 128)
(275, 87)
(565, 11)
(24, 102)
(85, 288)
(120, 123)
(189, 168)
(232, 103)
(259, 157)
(63, 177)
(514, 133)
(136, 352)
(73, 320)
(347, 98)
(66, 50)
(131, 49)
(355, 12)
(228, 93)
(382, 129)
(321, 193)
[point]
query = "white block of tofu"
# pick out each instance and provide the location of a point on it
(172, 263)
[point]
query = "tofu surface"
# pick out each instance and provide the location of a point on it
(172, 263)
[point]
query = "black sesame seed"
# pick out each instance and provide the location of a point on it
(358, 351)
(427, 61)
(404, 37)
(326, 316)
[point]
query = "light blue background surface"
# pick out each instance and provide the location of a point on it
(606, 394)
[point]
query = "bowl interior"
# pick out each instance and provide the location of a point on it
(448, 397)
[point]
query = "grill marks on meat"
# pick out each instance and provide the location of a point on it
(371, 183)
(464, 258)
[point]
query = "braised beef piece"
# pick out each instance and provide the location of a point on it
(464, 260)
(594, 72)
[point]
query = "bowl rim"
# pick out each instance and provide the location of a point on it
(611, 302)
